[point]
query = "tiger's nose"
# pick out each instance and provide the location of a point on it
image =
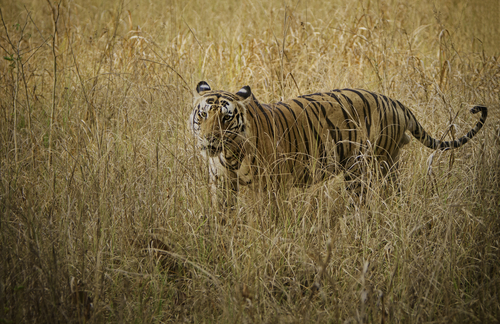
(212, 139)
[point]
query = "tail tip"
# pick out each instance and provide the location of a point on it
(477, 109)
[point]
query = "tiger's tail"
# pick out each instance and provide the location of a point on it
(420, 134)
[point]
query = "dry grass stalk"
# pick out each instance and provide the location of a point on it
(100, 182)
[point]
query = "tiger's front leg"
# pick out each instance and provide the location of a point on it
(224, 191)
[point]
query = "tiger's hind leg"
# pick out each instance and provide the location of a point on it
(368, 182)
(356, 177)
(389, 165)
(358, 169)
(373, 167)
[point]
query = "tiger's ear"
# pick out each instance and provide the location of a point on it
(244, 92)
(202, 87)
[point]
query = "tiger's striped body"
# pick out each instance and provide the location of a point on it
(303, 139)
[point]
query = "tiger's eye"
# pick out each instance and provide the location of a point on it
(203, 114)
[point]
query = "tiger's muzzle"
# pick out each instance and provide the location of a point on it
(212, 145)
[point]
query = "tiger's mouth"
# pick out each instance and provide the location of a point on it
(212, 150)
(213, 145)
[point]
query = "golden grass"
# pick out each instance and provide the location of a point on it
(104, 202)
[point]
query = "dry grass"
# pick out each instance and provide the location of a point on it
(104, 204)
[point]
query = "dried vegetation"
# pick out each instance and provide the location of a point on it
(105, 213)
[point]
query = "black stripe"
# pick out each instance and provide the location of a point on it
(384, 123)
(268, 120)
(294, 126)
(317, 138)
(346, 116)
(366, 112)
(354, 121)
(286, 129)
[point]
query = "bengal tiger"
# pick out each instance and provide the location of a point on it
(304, 139)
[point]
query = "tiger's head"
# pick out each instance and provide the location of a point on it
(219, 119)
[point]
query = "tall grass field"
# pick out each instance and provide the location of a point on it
(106, 214)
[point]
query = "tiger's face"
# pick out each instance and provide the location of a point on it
(218, 119)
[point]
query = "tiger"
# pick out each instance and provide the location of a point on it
(305, 139)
